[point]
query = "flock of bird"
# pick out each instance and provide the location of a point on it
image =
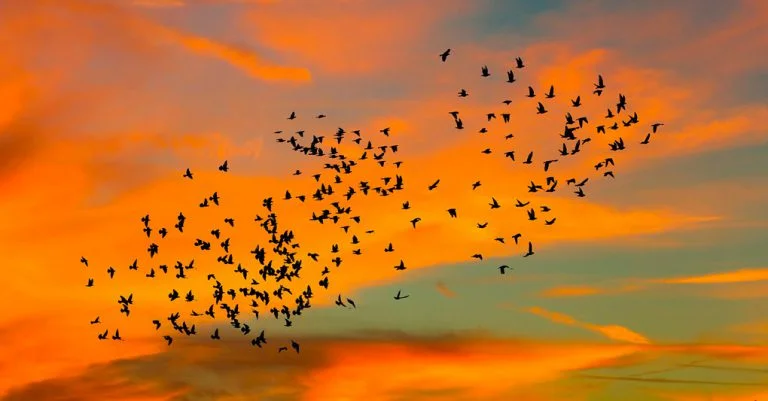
(281, 261)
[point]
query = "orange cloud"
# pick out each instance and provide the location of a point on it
(736, 276)
(245, 59)
(613, 332)
(444, 290)
(319, 31)
(739, 276)
(482, 370)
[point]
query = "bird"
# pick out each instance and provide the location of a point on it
(452, 212)
(292, 116)
(530, 250)
(647, 139)
(295, 346)
(224, 167)
(655, 126)
(503, 268)
(444, 55)
(551, 93)
(188, 174)
(519, 62)
(84, 261)
(485, 71)
(576, 102)
(399, 297)
(510, 78)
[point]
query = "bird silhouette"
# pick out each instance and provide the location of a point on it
(444, 55)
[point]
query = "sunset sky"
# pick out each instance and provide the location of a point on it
(652, 287)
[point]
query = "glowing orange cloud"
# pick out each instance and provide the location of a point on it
(740, 276)
(477, 370)
(614, 332)
(736, 276)
(319, 31)
(245, 59)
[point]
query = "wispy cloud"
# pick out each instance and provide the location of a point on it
(739, 276)
(444, 290)
(613, 332)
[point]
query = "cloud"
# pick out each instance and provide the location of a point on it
(245, 59)
(331, 369)
(444, 290)
(735, 276)
(385, 33)
(613, 332)
(739, 276)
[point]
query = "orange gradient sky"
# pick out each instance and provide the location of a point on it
(651, 287)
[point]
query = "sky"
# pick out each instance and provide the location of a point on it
(652, 287)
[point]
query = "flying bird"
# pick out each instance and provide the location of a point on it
(444, 55)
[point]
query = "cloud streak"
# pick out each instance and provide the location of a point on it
(613, 332)
(739, 276)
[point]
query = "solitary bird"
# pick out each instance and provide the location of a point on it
(444, 55)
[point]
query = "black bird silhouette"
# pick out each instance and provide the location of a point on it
(655, 126)
(95, 321)
(529, 159)
(187, 174)
(444, 55)
(452, 212)
(519, 62)
(576, 102)
(646, 140)
(84, 261)
(530, 250)
(531, 93)
(551, 93)
(599, 86)
(295, 346)
(510, 77)
(463, 93)
(224, 167)
(90, 283)
(503, 268)
(399, 297)
(485, 71)
(434, 185)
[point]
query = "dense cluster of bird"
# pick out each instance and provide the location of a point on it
(281, 261)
